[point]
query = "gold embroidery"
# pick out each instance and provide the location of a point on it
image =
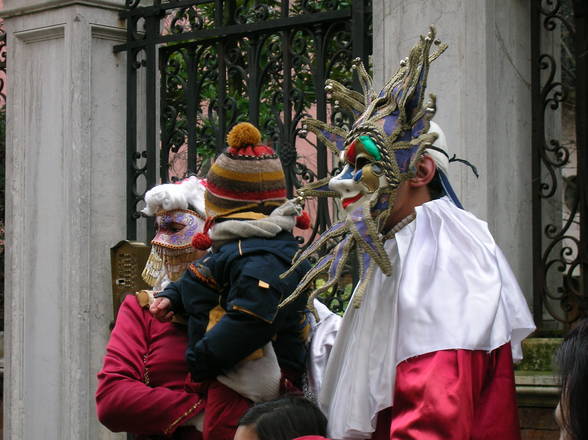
(249, 312)
(146, 377)
(188, 211)
(208, 280)
(171, 427)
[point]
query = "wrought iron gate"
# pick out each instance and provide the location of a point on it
(226, 61)
(560, 161)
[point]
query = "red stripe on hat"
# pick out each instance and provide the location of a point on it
(254, 151)
(246, 196)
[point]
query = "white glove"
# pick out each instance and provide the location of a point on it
(257, 380)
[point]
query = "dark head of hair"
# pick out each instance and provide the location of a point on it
(572, 359)
(435, 187)
(285, 418)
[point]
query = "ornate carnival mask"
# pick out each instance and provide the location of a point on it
(390, 132)
(362, 174)
(171, 248)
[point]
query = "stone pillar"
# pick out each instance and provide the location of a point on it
(484, 104)
(65, 207)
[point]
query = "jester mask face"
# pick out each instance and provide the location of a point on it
(379, 152)
(362, 175)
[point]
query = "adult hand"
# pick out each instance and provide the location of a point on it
(161, 309)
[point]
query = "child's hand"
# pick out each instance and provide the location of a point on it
(160, 308)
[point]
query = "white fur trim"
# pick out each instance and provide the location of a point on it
(170, 196)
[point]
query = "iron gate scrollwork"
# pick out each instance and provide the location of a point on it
(221, 62)
(560, 161)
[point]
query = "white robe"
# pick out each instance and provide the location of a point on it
(451, 288)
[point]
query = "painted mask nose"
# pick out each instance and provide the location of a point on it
(344, 184)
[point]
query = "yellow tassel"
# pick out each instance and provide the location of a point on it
(242, 135)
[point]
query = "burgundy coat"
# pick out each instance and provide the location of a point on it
(141, 384)
(144, 387)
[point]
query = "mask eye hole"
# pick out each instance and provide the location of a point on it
(175, 227)
(170, 226)
(361, 162)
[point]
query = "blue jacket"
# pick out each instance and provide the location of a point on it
(243, 276)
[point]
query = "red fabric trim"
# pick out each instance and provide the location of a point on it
(257, 150)
(350, 154)
(456, 394)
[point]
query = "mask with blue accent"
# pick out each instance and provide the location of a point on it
(392, 129)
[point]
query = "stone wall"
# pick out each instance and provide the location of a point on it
(484, 104)
(65, 208)
(538, 389)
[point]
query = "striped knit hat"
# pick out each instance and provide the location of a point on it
(247, 180)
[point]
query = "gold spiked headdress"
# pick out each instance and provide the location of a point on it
(391, 130)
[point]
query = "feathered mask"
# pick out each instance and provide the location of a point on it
(390, 132)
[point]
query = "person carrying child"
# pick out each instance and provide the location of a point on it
(231, 295)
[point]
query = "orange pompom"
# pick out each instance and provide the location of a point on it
(201, 241)
(242, 135)
(303, 220)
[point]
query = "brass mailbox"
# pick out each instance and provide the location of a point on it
(127, 259)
